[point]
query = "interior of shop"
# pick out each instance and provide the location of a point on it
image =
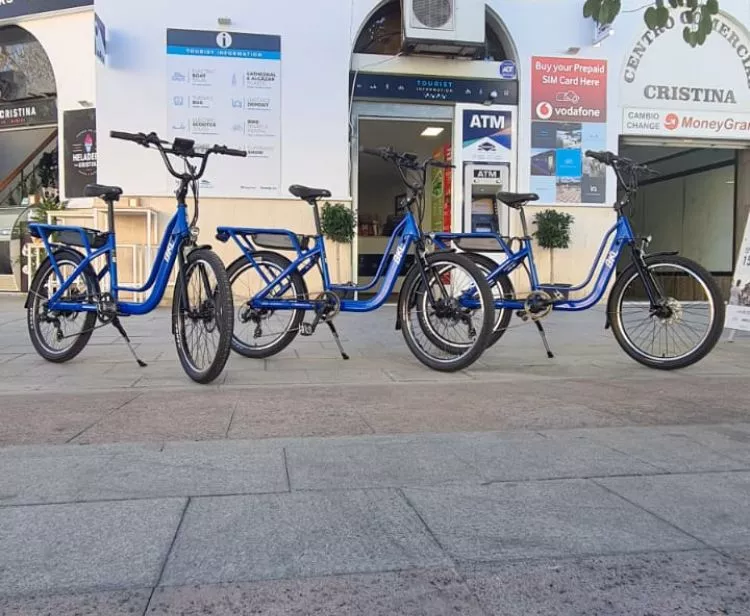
(690, 206)
(381, 191)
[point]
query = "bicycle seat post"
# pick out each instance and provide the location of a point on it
(316, 215)
(524, 225)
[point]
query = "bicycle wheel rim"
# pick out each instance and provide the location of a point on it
(455, 350)
(202, 317)
(241, 303)
(628, 339)
(37, 301)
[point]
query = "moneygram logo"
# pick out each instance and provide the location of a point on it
(671, 121)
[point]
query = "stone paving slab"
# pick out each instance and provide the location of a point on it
(162, 416)
(303, 534)
(539, 519)
(686, 583)
(378, 463)
(670, 449)
(406, 593)
(108, 603)
(183, 470)
(713, 507)
(85, 546)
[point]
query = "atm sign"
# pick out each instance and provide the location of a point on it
(487, 176)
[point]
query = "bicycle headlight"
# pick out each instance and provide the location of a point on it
(194, 232)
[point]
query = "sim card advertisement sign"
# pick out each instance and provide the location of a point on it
(569, 115)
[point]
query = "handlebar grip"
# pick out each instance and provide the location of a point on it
(371, 151)
(606, 158)
(441, 164)
(222, 149)
(137, 137)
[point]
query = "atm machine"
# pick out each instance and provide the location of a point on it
(482, 181)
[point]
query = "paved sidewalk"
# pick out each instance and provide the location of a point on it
(583, 485)
(557, 522)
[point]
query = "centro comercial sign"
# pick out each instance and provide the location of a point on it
(670, 88)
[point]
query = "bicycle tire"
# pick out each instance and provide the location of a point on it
(614, 309)
(505, 286)
(468, 355)
(300, 291)
(62, 257)
(223, 316)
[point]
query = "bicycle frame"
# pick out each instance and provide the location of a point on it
(406, 233)
(621, 233)
(175, 234)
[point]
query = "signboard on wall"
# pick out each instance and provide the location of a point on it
(28, 113)
(487, 135)
(19, 8)
(224, 87)
(433, 89)
(738, 308)
(569, 115)
(100, 39)
(694, 124)
(487, 138)
(714, 77)
(79, 150)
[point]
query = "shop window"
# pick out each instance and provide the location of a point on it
(381, 35)
(25, 69)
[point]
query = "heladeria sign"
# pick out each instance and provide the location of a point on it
(79, 144)
(19, 8)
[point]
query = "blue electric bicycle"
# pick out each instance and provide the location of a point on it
(65, 299)
(665, 310)
(445, 309)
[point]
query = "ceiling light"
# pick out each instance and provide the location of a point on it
(432, 131)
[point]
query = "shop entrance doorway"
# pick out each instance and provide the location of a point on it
(378, 192)
(692, 205)
(28, 145)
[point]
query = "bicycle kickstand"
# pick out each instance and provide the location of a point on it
(332, 327)
(121, 329)
(544, 338)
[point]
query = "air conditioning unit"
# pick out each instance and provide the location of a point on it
(444, 27)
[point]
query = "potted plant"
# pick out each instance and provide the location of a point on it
(338, 224)
(553, 231)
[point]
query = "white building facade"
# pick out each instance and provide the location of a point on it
(276, 79)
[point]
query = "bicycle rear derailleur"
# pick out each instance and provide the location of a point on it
(328, 306)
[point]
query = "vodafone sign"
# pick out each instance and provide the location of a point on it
(683, 123)
(569, 90)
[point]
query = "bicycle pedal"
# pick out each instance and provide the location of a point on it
(306, 329)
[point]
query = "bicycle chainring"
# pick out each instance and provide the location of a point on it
(331, 307)
(538, 305)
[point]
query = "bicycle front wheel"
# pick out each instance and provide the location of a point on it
(681, 332)
(203, 316)
(438, 328)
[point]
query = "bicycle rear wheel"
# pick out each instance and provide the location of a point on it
(58, 336)
(502, 288)
(684, 330)
(203, 321)
(443, 334)
(263, 333)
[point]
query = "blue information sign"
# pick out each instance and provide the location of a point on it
(434, 89)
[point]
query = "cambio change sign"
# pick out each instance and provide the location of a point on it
(703, 94)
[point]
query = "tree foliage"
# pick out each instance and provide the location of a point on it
(697, 15)
(338, 222)
(552, 229)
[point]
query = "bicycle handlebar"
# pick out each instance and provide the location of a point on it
(147, 140)
(405, 160)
